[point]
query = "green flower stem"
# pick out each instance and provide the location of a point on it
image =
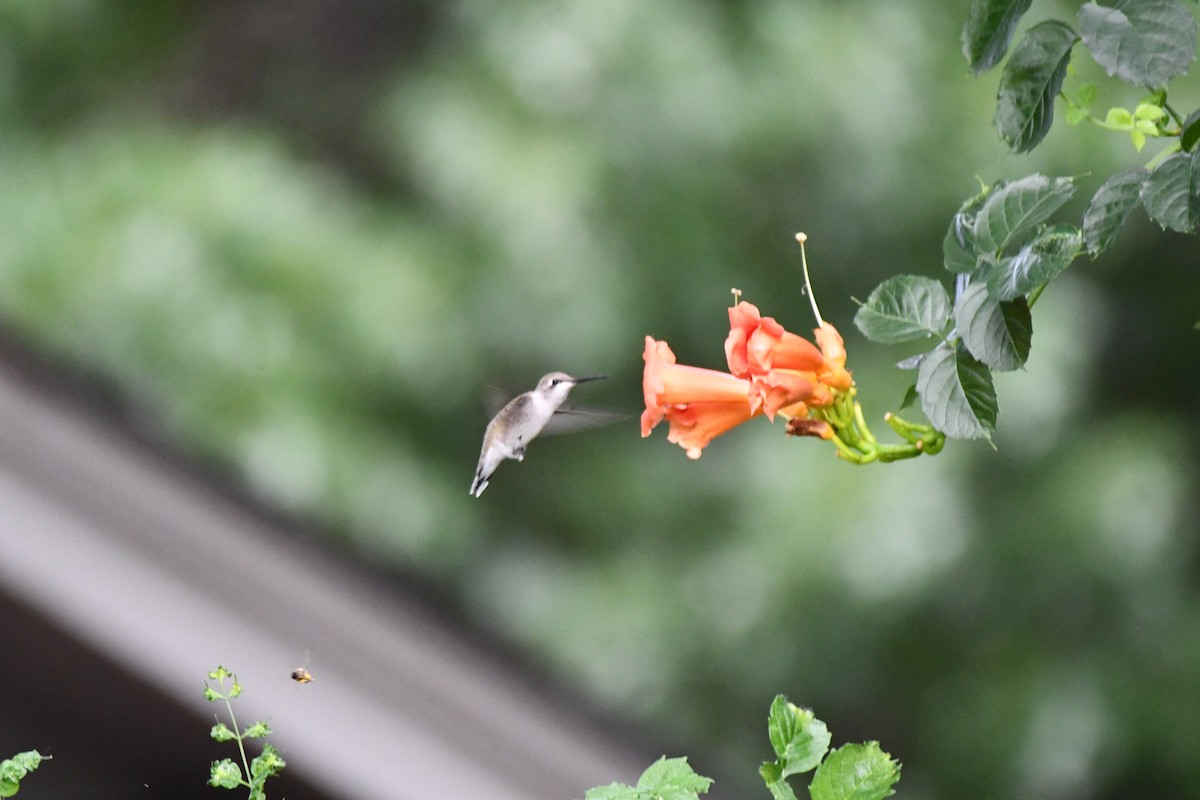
(857, 444)
(237, 734)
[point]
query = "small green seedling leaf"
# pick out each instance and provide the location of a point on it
(957, 394)
(665, 779)
(1036, 263)
(989, 29)
(257, 730)
(902, 308)
(856, 772)
(799, 739)
(221, 732)
(1143, 42)
(1018, 207)
(1110, 208)
(1169, 194)
(225, 774)
(1031, 81)
(13, 770)
(673, 778)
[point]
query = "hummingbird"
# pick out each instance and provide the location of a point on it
(527, 415)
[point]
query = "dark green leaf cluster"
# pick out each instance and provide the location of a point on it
(1001, 252)
(13, 770)
(999, 245)
(1142, 42)
(801, 744)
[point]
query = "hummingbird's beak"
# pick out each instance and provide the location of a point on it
(589, 378)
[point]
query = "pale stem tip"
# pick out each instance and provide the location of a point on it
(801, 237)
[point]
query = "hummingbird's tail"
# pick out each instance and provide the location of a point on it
(480, 483)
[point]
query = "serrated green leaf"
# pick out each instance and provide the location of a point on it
(902, 308)
(1143, 42)
(614, 791)
(673, 779)
(1036, 263)
(257, 730)
(957, 395)
(14, 770)
(1190, 131)
(856, 772)
(997, 333)
(1031, 80)
(1169, 194)
(958, 248)
(776, 785)
(1110, 208)
(797, 736)
(1117, 119)
(225, 774)
(989, 29)
(1018, 207)
(221, 732)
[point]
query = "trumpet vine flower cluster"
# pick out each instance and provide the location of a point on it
(772, 372)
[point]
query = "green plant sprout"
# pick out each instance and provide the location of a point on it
(227, 773)
(801, 744)
(13, 770)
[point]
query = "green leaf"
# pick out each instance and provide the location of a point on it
(264, 766)
(665, 779)
(1190, 131)
(1118, 119)
(910, 397)
(1111, 206)
(989, 29)
(902, 308)
(225, 774)
(1017, 207)
(958, 248)
(673, 779)
(1169, 194)
(798, 737)
(13, 770)
(221, 733)
(614, 791)
(997, 333)
(778, 787)
(1143, 42)
(257, 730)
(1031, 80)
(1036, 263)
(957, 395)
(856, 772)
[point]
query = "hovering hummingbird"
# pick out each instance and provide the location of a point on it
(527, 415)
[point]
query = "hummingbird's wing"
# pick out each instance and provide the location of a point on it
(573, 420)
(495, 399)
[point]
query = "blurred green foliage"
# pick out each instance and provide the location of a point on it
(313, 289)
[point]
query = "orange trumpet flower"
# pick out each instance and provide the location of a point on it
(700, 404)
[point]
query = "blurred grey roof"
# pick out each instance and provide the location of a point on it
(125, 577)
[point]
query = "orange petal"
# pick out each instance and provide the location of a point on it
(666, 384)
(695, 425)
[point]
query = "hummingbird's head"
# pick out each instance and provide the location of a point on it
(557, 385)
